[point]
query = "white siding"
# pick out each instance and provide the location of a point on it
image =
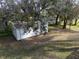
(19, 33)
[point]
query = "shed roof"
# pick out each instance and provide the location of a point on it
(20, 24)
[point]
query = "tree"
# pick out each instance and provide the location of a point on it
(67, 12)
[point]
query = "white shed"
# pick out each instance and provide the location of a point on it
(21, 32)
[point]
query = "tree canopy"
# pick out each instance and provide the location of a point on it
(32, 10)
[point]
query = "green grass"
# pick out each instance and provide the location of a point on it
(9, 53)
(61, 55)
(5, 33)
(38, 53)
(59, 49)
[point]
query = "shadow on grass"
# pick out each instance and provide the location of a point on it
(38, 47)
(12, 49)
(59, 29)
(62, 49)
(74, 55)
(63, 45)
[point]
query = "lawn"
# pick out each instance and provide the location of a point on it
(57, 44)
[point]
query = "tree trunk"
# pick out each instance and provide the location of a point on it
(75, 22)
(56, 23)
(65, 23)
(4, 23)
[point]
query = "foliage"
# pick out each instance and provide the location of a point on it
(14, 10)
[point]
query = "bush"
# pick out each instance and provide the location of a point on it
(5, 33)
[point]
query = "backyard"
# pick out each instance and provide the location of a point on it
(57, 44)
(39, 29)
